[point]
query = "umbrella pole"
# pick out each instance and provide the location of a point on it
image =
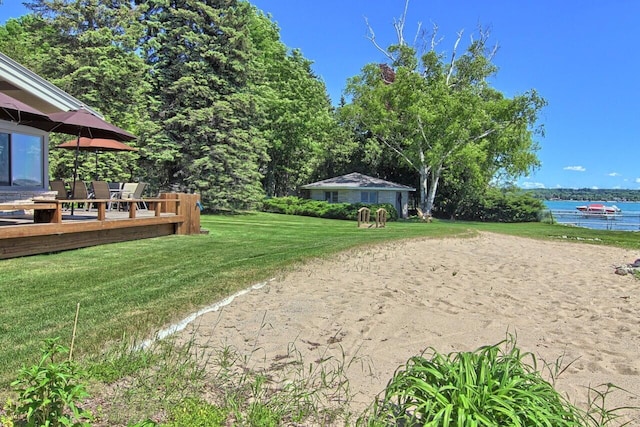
(75, 172)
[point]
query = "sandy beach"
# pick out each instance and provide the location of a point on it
(376, 307)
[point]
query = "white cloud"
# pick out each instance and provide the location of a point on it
(575, 168)
(638, 180)
(594, 188)
(528, 185)
(614, 174)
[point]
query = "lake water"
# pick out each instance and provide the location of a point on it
(565, 212)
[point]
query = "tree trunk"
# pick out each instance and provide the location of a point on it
(435, 177)
(424, 185)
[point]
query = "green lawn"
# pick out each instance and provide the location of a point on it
(135, 288)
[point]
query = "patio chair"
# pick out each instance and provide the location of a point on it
(60, 187)
(80, 192)
(128, 188)
(101, 191)
(137, 194)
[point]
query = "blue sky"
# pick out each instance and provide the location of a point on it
(580, 56)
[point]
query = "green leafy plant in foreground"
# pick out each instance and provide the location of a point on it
(195, 412)
(487, 387)
(49, 392)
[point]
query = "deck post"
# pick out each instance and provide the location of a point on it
(188, 209)
(132, 209)
(102, 210)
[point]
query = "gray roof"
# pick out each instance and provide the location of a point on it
(355, 181)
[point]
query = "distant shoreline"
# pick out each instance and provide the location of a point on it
(585, 195)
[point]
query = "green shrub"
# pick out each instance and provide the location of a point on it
(488, 387)
(497, 205)
(49, 392)
(196, 413)
(316, 208)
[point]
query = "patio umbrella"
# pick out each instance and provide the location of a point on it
(17, 111)
(82, 122)
(96, 145)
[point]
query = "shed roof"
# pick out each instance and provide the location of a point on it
(355, 181)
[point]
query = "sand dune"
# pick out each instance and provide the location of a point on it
(381, 305)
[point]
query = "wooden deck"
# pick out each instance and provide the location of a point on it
(48, 226)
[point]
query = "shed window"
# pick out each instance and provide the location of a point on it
(369, 196)
(331, 196)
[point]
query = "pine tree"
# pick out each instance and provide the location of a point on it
(201, 58)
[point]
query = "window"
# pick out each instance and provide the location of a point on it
(369, 197)
(21, 160)
(5, 178)
(331, 196)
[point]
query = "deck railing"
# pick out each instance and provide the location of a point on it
(52, 228)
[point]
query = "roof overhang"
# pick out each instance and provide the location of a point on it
(26, 86)
(354, 187)
(356, 181)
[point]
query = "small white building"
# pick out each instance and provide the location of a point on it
(358, 188)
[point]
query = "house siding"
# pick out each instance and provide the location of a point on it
(353, 196)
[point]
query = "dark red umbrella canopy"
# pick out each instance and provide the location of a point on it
(96, 144)
(81, 122)
(17, 111)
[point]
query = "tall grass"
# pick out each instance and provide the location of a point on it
(496, 385)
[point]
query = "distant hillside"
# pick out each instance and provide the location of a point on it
(585, 194)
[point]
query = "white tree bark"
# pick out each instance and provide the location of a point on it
(435, 178)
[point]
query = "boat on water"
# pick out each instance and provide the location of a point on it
(599, 209)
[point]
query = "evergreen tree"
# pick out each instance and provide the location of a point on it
(202, 62)
(89, 49)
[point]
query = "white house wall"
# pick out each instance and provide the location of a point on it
(353, 196)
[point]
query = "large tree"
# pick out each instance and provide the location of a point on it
(435, 112)
(297, 117)
(294, 108)
(89, 49)
(202, 61)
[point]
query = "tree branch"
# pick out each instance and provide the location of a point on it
(422, 132)
(399, 25)
(453, 57)
(372, 38)
(435, 42)
(398, 151)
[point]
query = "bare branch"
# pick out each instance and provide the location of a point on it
(453, 56)
(372, 39)
(493, 52)
(435, 42)
(415, 40)
(399, 24)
